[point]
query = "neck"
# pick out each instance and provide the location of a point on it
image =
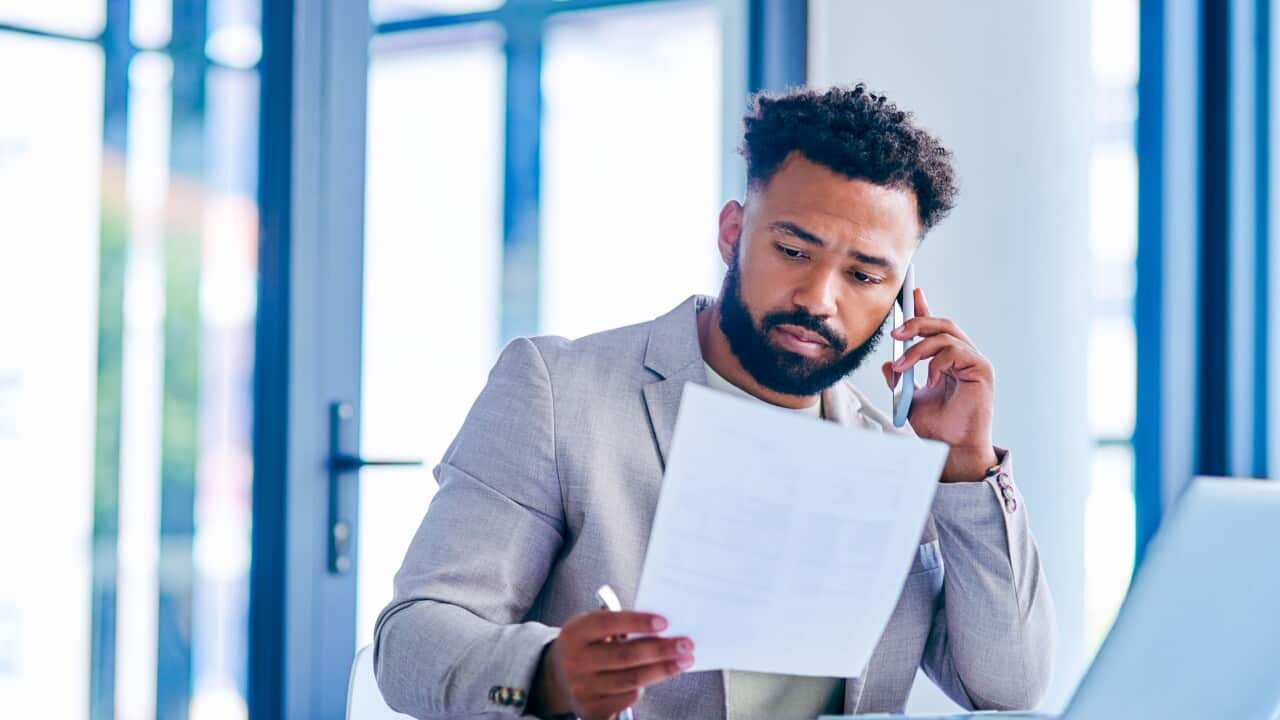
(717, 354)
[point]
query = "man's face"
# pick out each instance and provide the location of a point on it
(815, 263)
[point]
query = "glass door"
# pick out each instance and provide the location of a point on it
(438, 178)
(532, 168)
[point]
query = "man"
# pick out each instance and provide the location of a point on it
(550, 487)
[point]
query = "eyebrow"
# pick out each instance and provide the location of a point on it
(803, 235)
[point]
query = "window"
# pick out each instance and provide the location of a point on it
(128, 248)
(51, 164)
(631, 164)
(1113, 229)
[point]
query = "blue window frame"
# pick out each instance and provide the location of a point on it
(1202, 306)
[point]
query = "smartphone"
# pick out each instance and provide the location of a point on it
(903, 310)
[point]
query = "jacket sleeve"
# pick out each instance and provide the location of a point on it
(452, 642)
(991, 643)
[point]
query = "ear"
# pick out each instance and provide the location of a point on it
(730, 230)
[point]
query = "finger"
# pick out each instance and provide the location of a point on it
(922, 305)
(938, 366)
(601, 625)
(636, 653)
(890, 376)
(924, 349)
(926, 326)
(957, 363)
(619, 681)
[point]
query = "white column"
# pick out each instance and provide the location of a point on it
(1006, 85)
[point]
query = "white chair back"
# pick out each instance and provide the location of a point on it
(364, 699)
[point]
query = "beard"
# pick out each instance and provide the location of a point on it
(779, 370)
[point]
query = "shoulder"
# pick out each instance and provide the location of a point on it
(611, 356)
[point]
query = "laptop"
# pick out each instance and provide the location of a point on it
(1198, 635)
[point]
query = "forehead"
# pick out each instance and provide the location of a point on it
(856, 214)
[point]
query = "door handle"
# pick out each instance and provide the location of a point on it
(341, 463)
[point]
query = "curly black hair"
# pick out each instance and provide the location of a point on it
(856, 133)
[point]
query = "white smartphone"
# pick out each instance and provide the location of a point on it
(903, 310)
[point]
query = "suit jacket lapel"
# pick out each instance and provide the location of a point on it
(674, 354)
(662, 400)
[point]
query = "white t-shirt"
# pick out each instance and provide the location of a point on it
(755, 696)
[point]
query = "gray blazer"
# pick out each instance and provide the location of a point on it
(549, 490)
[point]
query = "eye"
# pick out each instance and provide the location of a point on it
(864, 278)
(791, 252)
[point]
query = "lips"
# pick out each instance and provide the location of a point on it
(801, 334)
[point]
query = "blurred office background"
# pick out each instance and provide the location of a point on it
(220, 218)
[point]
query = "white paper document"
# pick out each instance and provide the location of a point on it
(781, 542)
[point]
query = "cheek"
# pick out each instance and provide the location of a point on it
(763, 284)
(862, 320)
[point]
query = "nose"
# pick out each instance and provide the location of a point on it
(817, 294)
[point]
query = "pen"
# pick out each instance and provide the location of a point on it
(609, 601)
